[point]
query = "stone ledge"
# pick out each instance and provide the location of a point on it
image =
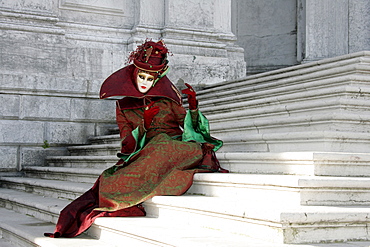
(47, 188)
(101, 149)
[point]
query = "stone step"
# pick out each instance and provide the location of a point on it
(246, 215)
(105, 139)
(94, 150)
(155, 232)
(297, 190)
(298, 163)
(294, 163)
(23, 230)
(290, 79)
(26, 231)
(47, 209)
(85, 175)
(280, 223)
(290, 163)
(306, 108)
(84, 162)
(294, 190)
(5, 243)
(290, 104)
(325, 141)
(49, 188)
(276, 222)
(38, 206)
(113, 130)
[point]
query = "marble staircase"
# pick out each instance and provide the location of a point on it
(295, 142)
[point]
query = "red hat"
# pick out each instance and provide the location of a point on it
(151, 56)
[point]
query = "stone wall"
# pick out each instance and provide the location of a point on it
(50, 73)
(329, 30)
(276, 34)
(267, 30)
(54, 55)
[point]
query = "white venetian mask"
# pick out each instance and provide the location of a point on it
(144, 81)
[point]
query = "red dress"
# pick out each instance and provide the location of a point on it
(153, 162)
(165, 165)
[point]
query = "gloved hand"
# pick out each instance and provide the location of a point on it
(192, 100)
(149, 114)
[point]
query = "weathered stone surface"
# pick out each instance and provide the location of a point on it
(37, 155)
(69, 132)
(359, 25)
(193, 13)
(9, 156)
(35, 5)
(327, 34)
(31, 52)
(42, 108)
(20, 132)
(267, 31)
(9, 106)
(93, 110)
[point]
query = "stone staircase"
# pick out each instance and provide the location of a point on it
(295, 142)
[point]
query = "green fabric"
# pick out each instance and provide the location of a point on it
(140, 145)
(201, 132)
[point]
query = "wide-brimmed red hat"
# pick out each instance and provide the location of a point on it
(151, 56)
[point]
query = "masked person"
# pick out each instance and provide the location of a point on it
(162, 144)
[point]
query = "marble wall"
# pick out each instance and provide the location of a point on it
(54, 55)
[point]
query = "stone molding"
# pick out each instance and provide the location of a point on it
(110, 7)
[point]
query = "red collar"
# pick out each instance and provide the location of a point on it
(121, 83)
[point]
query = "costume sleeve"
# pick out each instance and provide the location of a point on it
(180, 114)
(129, 136)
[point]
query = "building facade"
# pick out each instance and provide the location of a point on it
(56, 53)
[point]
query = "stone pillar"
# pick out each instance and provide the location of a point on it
(331, 28)
(198, 33)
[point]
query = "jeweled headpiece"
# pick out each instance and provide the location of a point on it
(151, 57)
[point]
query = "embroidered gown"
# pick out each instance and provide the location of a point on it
(159, 161)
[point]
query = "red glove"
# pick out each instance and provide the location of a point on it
(192, 100)
(149, 114)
